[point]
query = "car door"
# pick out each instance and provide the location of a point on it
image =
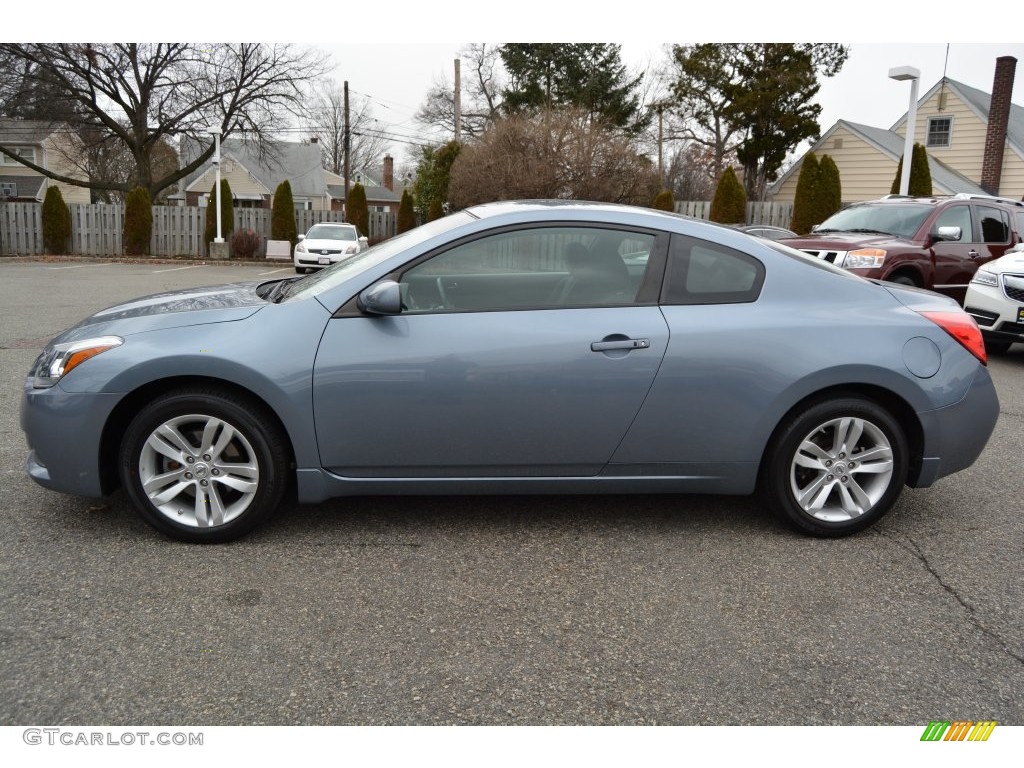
(524, 352)
(955, 260)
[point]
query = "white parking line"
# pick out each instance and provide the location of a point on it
(283, 269)
(177, 269)
(79, 266)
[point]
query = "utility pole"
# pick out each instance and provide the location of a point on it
(348, 144)
(458, 101)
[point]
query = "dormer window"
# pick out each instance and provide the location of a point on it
(939, 131)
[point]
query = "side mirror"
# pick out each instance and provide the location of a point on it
(948, 233)
(383, 298)
(302, 237)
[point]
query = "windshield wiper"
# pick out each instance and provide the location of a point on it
(873, 232)
(280, 291)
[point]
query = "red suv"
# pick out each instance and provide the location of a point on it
(931, 242)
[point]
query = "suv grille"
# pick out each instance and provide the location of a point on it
(833, 257)
(1013, 287)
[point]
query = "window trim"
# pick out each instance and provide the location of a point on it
(928, 132)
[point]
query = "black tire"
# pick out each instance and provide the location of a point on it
(810, 455)
(904, 280)
(204, 466)
(301, 270)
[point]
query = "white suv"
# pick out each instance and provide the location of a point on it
(995, 298)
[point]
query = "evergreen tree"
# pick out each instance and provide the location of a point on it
(282, 215)
(830, 189)
(357, 211)
(436, 210)
(806, 199)
(56, 221)
(920, 174)
(406, 213)
(729, 205)
(663, 201)
(227, 213)
(138, 222)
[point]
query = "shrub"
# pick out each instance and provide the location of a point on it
(663, 201)
(729, 205)
(244, 244)
(830, 189)
(282, 216)
(357, 211)
(806, 197)
(920, 174)
(406, 213)
(436, 209)
(138, 222)
(56, 221)
(227, 213)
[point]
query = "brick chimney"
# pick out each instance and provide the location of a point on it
(998, 117)
(389, 171)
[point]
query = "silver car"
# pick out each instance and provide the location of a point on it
(518, 347)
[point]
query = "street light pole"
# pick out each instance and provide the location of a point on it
(216, 184)
(913, 75)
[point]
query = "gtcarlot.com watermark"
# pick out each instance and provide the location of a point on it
(73, 737)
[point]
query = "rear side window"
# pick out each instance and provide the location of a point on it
(995, 224)
(702, 272)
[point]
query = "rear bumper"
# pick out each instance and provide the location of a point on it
(955, 436)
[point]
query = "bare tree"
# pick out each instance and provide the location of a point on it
(556, 154)
(482, 83)
(143, 94)
(325, 119)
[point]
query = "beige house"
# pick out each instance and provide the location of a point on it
(975, 144)
(54, 147)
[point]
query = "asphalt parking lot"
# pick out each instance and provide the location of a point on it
(479, 610)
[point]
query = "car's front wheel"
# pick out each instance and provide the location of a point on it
(203, 466)
(837, 467)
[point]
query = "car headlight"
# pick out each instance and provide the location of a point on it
(352, 249)
(57, 361)
(984, 277)
(300, 248)
(864, 258)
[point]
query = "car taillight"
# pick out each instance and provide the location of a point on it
(963, 328)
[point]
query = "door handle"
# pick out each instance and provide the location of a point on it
(604, 346)
(972, 253)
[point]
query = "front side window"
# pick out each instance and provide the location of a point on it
(939, 131)
(957, 216)
(701, 272)
(536, 268)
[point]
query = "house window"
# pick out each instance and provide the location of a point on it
(302, 204)
(939, 129)
(28, 153)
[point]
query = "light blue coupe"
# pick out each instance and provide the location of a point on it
(518, 347)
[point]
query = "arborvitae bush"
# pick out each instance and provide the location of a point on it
(729, 205)
(806, 197)
(56, 221)
(227, 213)
(406, 213)
(663, 201)
(436, 209)
(138, 222)
(244, 244)
(830, 189)
(357, 211)
(282, 216)
(920, 174)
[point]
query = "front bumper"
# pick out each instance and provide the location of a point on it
(64, 432)
(999, 317)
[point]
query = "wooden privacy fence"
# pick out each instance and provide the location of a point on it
(98, 229)
(774, 214)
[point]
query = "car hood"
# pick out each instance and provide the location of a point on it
(329, 245)
(842, 241)
(191, 306)
(1011, 262)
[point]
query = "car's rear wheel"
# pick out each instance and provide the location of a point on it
(203, 466)
(904, 280)
(837, 467)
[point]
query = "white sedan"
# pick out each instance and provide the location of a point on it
(326, 244)
(995, 298)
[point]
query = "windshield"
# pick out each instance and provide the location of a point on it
(338, 273)
(889, 219)
(325, 232)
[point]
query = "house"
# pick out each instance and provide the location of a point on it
(52, 146)
(380, 190)
(975, 144)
